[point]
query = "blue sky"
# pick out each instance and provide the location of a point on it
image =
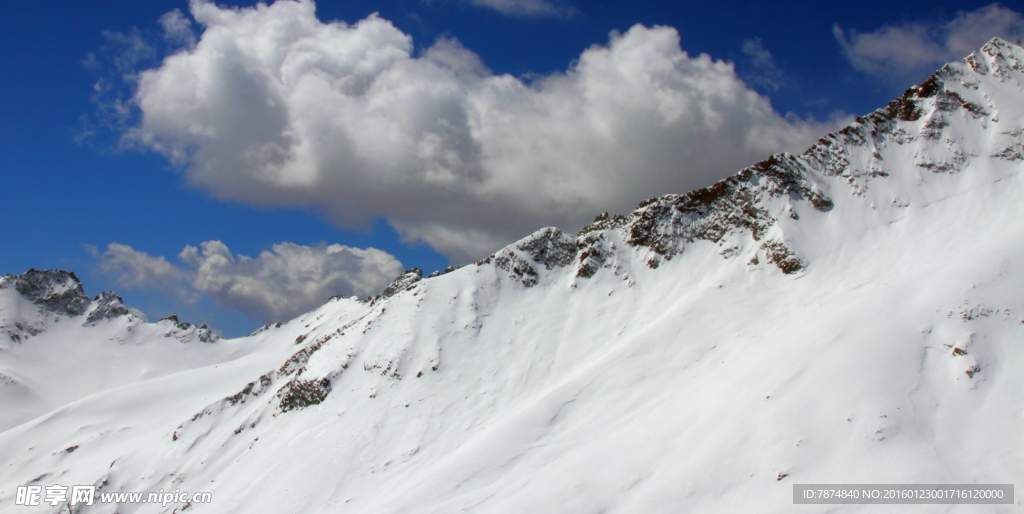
(432, 133)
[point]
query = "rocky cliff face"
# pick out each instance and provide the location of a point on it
(55, 291)
(106, 306)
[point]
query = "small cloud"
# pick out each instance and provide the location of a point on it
(127, 52)
(278, 284)
(177, 29)
(907, 51)
(91, 250)
(141, 315)
(116, 65)
(90, 62)
(767, 74)
(528, 8)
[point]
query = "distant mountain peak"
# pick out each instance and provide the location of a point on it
(184, 331)
(106, 305)
(56, 291)
(60, 293)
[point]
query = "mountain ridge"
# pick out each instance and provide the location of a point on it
(61, 293)
(666, 223)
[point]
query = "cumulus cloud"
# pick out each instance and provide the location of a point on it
(279, 284)
(911, 49)
(133, 270)
(527, 7)
(274, 107)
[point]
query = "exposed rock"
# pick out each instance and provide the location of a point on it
(550, 247)
(184, 331)
(739, 203)
(298, 394)
(251, 390)
(56, 291)
(446, 271)
(271, 326)
(106, 306)
(401, 283)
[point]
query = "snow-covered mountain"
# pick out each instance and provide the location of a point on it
(57, 345)
(852, 314)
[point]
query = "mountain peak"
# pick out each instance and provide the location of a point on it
(185, 331)
(57, 291)
(106, 305)
(1005, 51)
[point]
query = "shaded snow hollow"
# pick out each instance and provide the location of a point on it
(848, 315)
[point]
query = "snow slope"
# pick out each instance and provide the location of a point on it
(849, 315)
(57, 345)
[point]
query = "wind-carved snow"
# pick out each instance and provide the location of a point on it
(847, 315)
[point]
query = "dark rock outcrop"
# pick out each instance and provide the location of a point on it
(56, 291)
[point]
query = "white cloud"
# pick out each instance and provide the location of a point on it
(912, 49)
(767, 73)
(177, 29)
(133, 269)
(116, 65)
(274, 107)
(279, 284)
(527, 7)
